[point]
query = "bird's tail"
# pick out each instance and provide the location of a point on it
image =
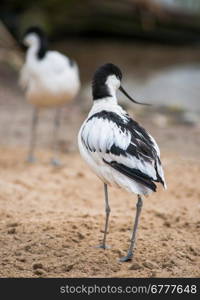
(160, 173)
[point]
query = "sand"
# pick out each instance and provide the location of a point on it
(51, 219)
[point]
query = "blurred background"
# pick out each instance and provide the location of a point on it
(156, 43)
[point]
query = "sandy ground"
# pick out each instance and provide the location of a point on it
(51, 219)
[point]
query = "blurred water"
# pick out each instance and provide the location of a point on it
(176, 86)
(162, 75)
(187, 5)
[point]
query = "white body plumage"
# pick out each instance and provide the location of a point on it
(48, 81)
(101, 134)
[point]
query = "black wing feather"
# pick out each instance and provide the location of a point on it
(141, 145)
(134, 174)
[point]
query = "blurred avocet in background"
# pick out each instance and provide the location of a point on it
(50, 79)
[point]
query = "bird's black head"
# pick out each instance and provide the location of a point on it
(106, 81)
(35, 29)
(100, 83)
(34, 35)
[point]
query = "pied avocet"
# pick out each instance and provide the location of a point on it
(117, 148)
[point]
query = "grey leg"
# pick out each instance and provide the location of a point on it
(133, 238)
(107, 210)
(31, 157)
(55, 160)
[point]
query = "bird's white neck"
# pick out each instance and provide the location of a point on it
(112, 92)
(112, 85)
(108, 101)
(108, 104)
(33, 49)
